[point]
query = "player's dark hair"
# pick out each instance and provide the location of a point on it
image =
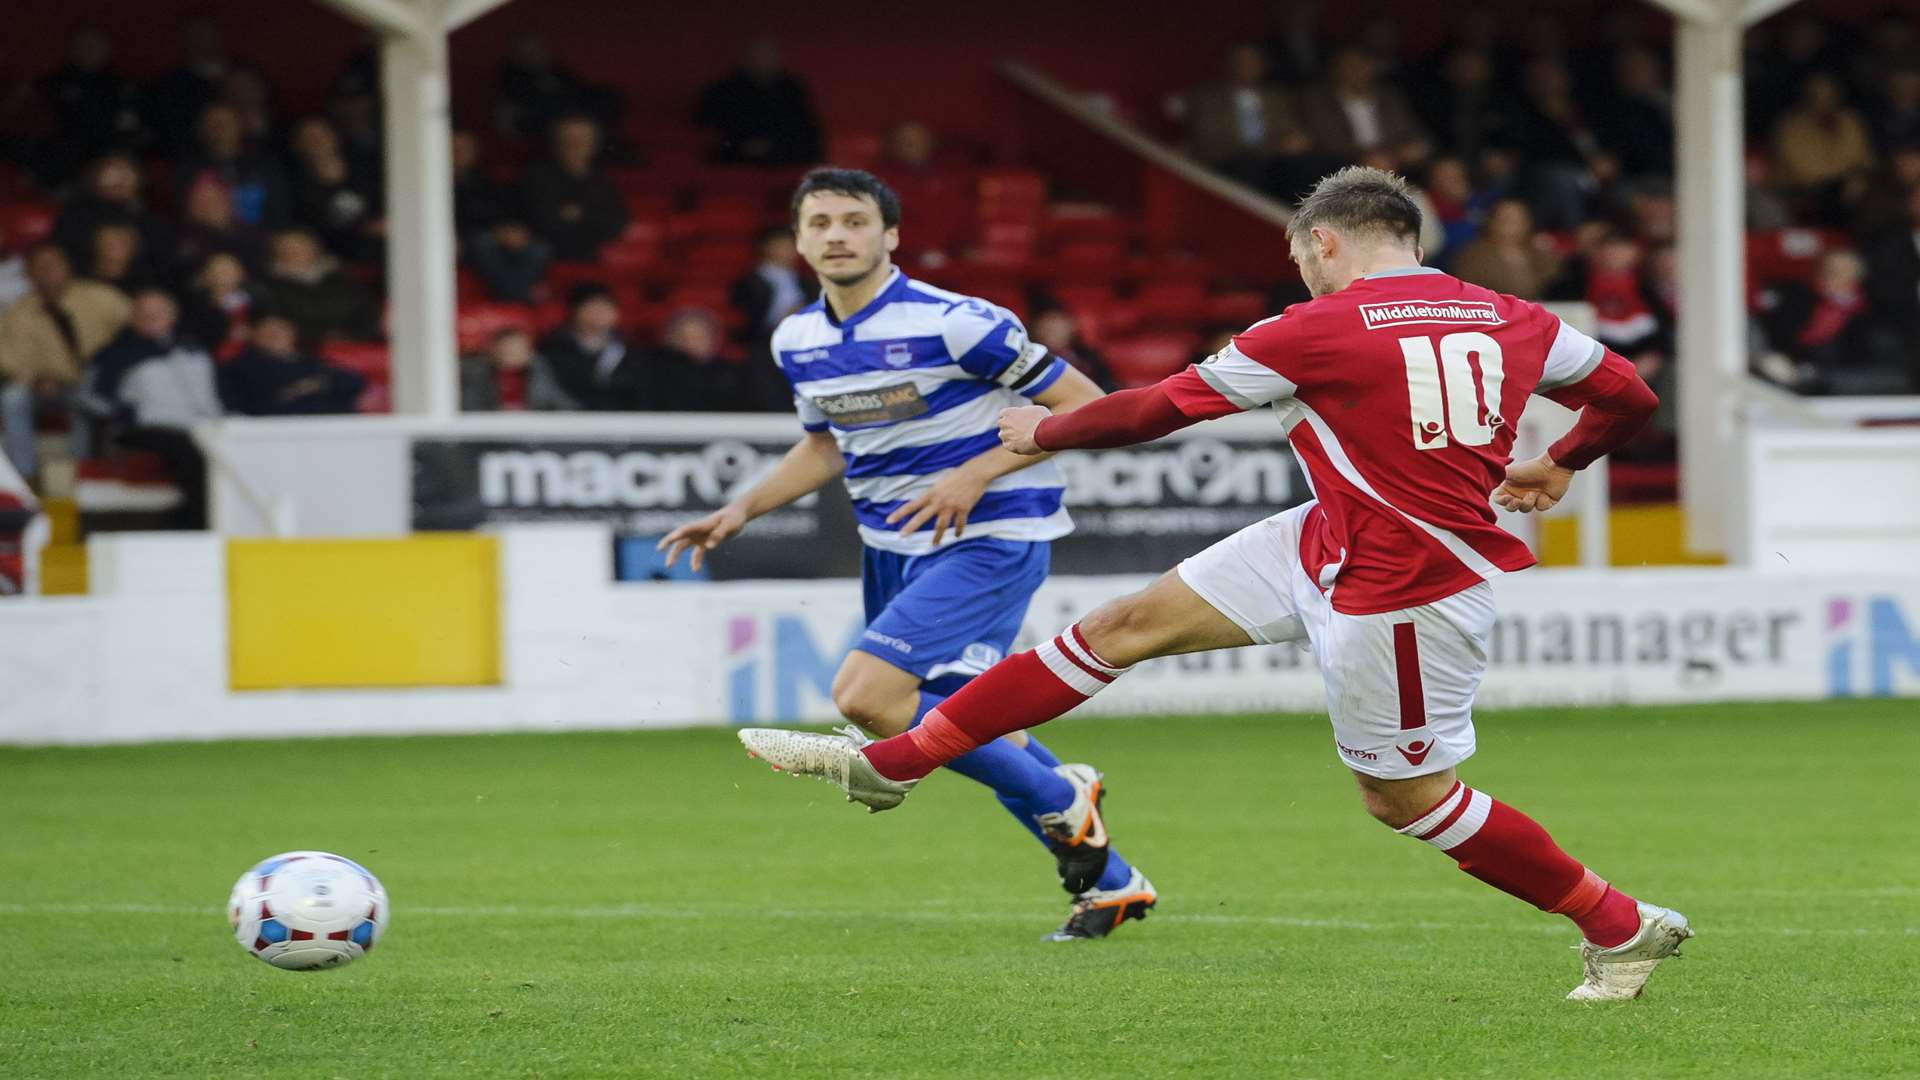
(1358, 199)
(852, 182)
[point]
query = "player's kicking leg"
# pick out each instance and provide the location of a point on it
(1400, 686)
(935, 622)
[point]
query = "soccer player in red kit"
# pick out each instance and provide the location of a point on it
(1399, 387)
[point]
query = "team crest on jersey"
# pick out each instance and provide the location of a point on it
(1404, 312)
(899, 354)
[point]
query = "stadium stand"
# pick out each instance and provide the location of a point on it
(567, 179)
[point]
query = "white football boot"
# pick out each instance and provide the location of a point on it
(1077, 835)
(1621, 972)
(834, 758)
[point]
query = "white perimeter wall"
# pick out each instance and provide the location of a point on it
(144, 658)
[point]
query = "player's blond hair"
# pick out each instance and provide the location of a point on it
(1360, 200)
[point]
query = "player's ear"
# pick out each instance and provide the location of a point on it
(892, 238)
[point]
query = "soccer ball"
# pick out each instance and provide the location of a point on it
(308, 909)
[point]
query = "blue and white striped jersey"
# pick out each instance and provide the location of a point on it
(912, 385)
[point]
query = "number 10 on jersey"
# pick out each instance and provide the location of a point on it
(1469, 411)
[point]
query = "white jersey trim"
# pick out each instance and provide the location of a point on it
(1572, 357)
(1026, 530)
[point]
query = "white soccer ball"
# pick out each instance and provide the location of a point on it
(308, 909)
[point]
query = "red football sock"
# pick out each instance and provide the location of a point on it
(1511, 852)
(1022, 691)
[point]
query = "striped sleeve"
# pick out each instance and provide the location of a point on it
(988, 342)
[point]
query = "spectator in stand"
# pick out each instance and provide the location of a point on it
(330, 197)
(572, 203)
(45, 340)
(1884, 207)
(687, 372)
(760, 112)
(308, 286)
(1636, 124)
(215, 307)
(1467, 109)
(496, 378)
(272, 377)
(151, 386)
(254, 181)
(247, 90)
(535, 90)
(478, 200)
(110, 195)
(1059, 331)
(510, 260)
(95, 110)
(1896, 122)
(1351, 114)
(943, 199)
(1822, 152)
(209, 227)
(1824, 338)
(1563, 164)
(1508, 257)
(177, 99)
(1244, 126)
(119, 260)
(1894, 277)
(1449, 188)
(14, 285)
(585, 364)
(354, 112)
(1624, 320)
(775, 288)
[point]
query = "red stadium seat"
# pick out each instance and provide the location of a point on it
(475, 324)
(1236, 308)
(1172, 302)
(369, 358)
(1147, 359)
(562, 276)
(1013, 195)
(854, 150)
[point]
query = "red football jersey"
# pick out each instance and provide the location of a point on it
(1400, 395)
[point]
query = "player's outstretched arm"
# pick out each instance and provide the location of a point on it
(1614, 405)
(810, 465)
(952, 497)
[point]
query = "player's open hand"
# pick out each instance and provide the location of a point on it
(1018, 425)
(702, 536)
(1538, 484)
(947, 504)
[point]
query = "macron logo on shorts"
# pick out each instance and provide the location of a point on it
(1403, 312)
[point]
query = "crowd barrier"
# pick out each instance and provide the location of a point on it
(526, 629)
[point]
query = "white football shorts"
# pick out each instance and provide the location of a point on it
(1400, 684)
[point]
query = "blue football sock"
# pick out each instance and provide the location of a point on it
(1025, 783)
(1038, 752)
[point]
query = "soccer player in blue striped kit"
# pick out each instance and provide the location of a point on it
(899, 386)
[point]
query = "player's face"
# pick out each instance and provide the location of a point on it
(842, 237)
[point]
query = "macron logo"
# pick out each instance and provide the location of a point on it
(1402, 312)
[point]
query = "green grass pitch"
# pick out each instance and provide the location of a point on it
(656, 904)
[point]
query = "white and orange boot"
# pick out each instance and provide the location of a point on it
(1098, 912)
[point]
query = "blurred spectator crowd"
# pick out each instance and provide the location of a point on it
(187, 247)
(1545, 153)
